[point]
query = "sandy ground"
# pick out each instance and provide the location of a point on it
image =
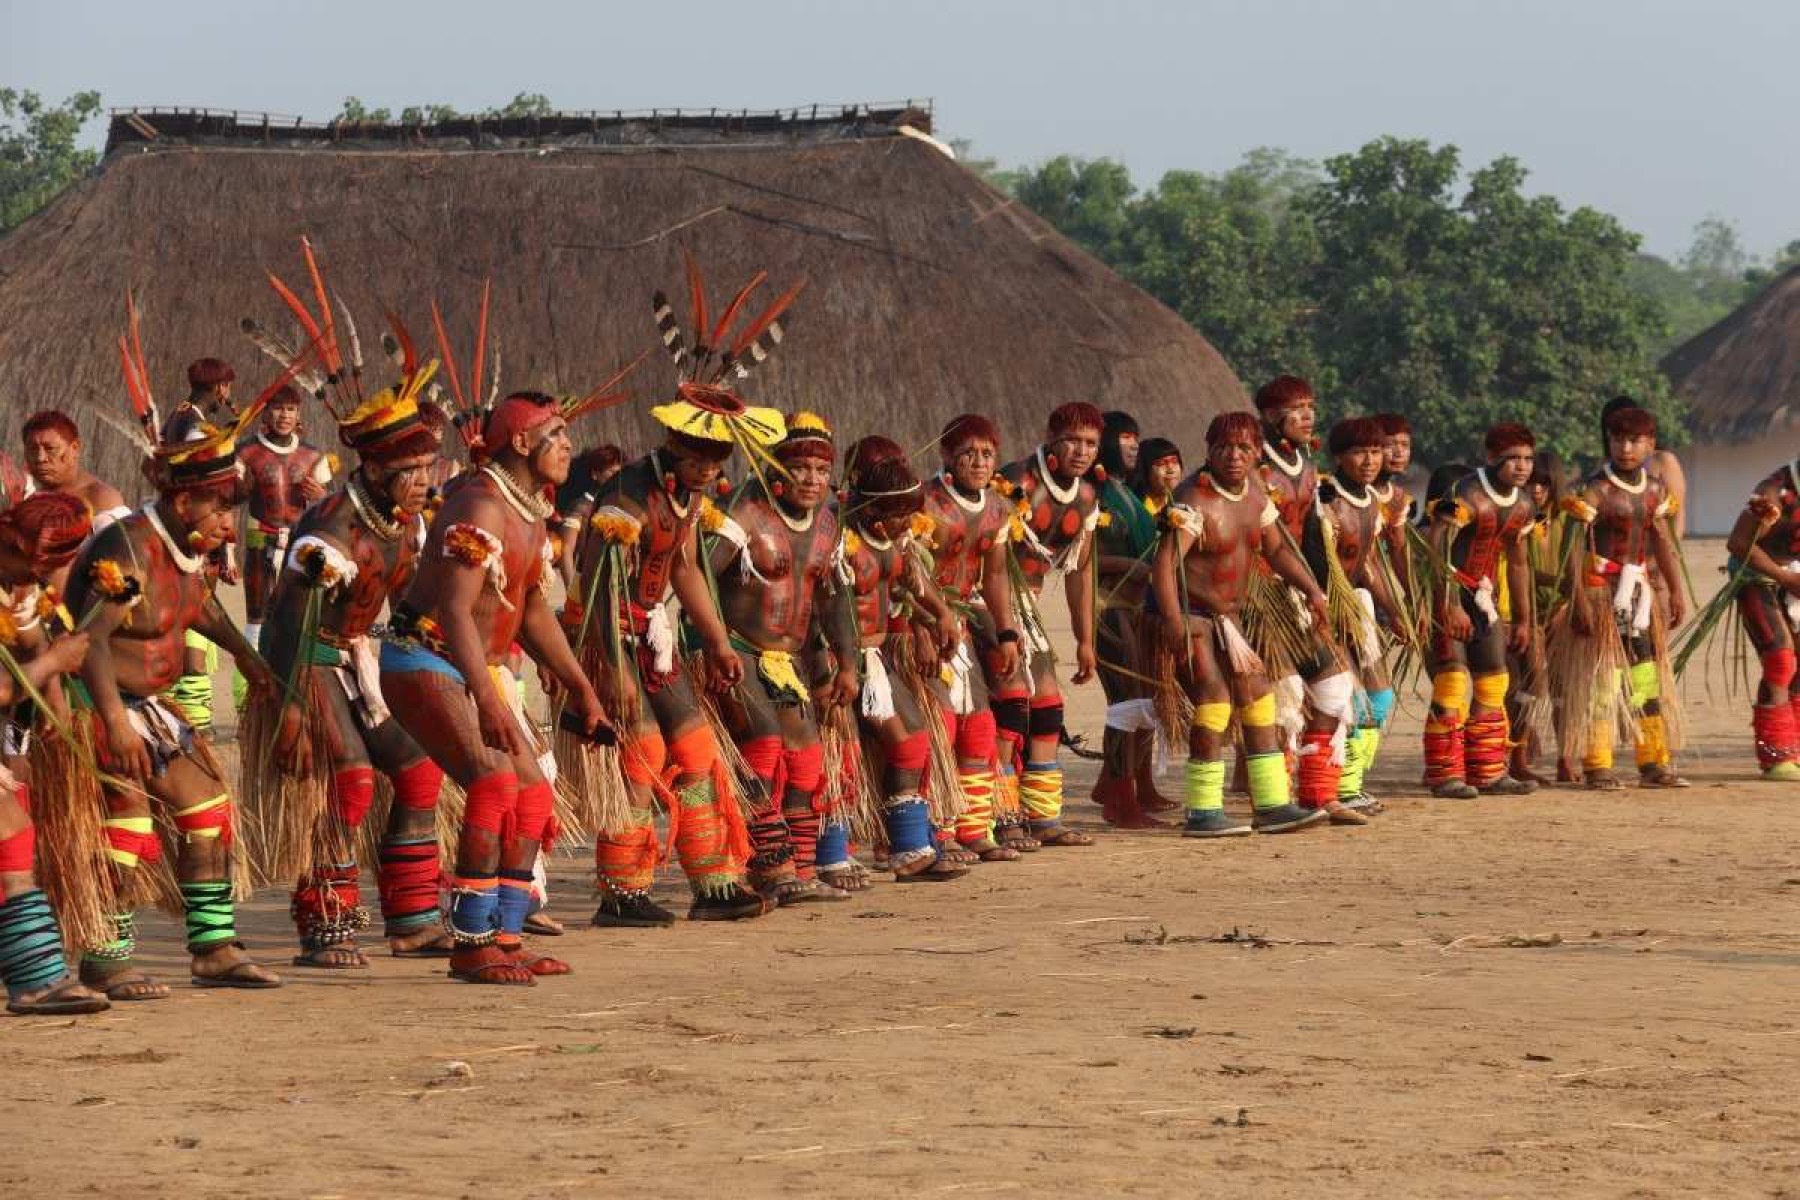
(1566, 994)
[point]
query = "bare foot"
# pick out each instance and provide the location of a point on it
(428, 941)
(343, 957)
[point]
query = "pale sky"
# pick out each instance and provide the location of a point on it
(1658, 111)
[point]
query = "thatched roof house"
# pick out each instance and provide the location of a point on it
(930, 292)
(1741, 380)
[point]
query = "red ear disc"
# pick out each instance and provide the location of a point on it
(1051, 462)
(1099, 473)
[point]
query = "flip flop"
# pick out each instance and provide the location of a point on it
(55, 1003)
(236, 977)
(543, 925)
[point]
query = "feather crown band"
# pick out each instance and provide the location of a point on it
(711, 358)
(190, 452)
(366, 423)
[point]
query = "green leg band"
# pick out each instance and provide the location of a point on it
(1205, 785)
(1646, 684)
(1350, 780)
(1268, 780)
(209, 914)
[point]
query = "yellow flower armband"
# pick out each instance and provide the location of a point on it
(1578, 509)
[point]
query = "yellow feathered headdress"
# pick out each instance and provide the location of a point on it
(711, 360)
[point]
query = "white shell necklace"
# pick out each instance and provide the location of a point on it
(1060, 495)
(528, 505)
(189, 563)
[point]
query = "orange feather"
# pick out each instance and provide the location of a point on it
(697, 296)
(443, 341)
(765, 319)
(736, 306)
(328, 349)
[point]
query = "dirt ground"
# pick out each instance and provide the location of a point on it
(1566, 994)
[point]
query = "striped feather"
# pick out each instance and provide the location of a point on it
(669, 329)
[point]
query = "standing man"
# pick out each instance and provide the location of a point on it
(1288, 411)
(1056, 509)
(1625, 513)
(967, 539)
(159, 556)
(285, 475)
(1214, 532)
(352, 552)
(1478, 530)
(478, 588)
(778, 591)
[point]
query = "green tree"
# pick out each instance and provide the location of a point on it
(38, 155)
(1460, 313)
(1233, 254)
(525, 104)
(355, 112)
(1088, 200)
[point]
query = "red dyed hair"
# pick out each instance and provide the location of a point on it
(287, 395)
(51, 421)
(1631, 422)
(1230, 425)
(878, 464)
(964, 429)
(1393, 424)
(47, 529)
(1356, 433)
(209, 373)
(1505, 436)
(1283, 391)
(1077, 414)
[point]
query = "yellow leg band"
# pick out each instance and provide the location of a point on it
(1259, 713)
(124, 858)
(1599, 756)
(1450, 692)
(131, 824)
(1653, 743)
(1490, 690)
(1212, 717)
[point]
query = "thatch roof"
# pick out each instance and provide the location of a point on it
(930, 292)
(1742, 376)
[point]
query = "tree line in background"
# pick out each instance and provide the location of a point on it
(1389, 276)
(1397, 282)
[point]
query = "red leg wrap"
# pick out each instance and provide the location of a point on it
(1317, 784)
(352, 792)
(534, 812)
(975, 736)
(417, 787)
(1485, 747)
(1777, 734)
(1443, 753)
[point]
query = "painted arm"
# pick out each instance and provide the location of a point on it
(1287, 564)
(688, 578)
(1079, 586)
(996, 593)
(834, 614)
(1520, 589)
(543, 639)
(1165, 565)
(1662, 549)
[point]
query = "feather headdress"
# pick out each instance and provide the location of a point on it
(711, 359)
(385, 423)
(201, 453)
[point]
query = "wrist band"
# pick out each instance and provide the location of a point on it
(1007, 635)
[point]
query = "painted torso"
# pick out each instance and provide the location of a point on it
(963, 531)
(275, 478)
(770, 604)
(1057, 513)
(1495, 523)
